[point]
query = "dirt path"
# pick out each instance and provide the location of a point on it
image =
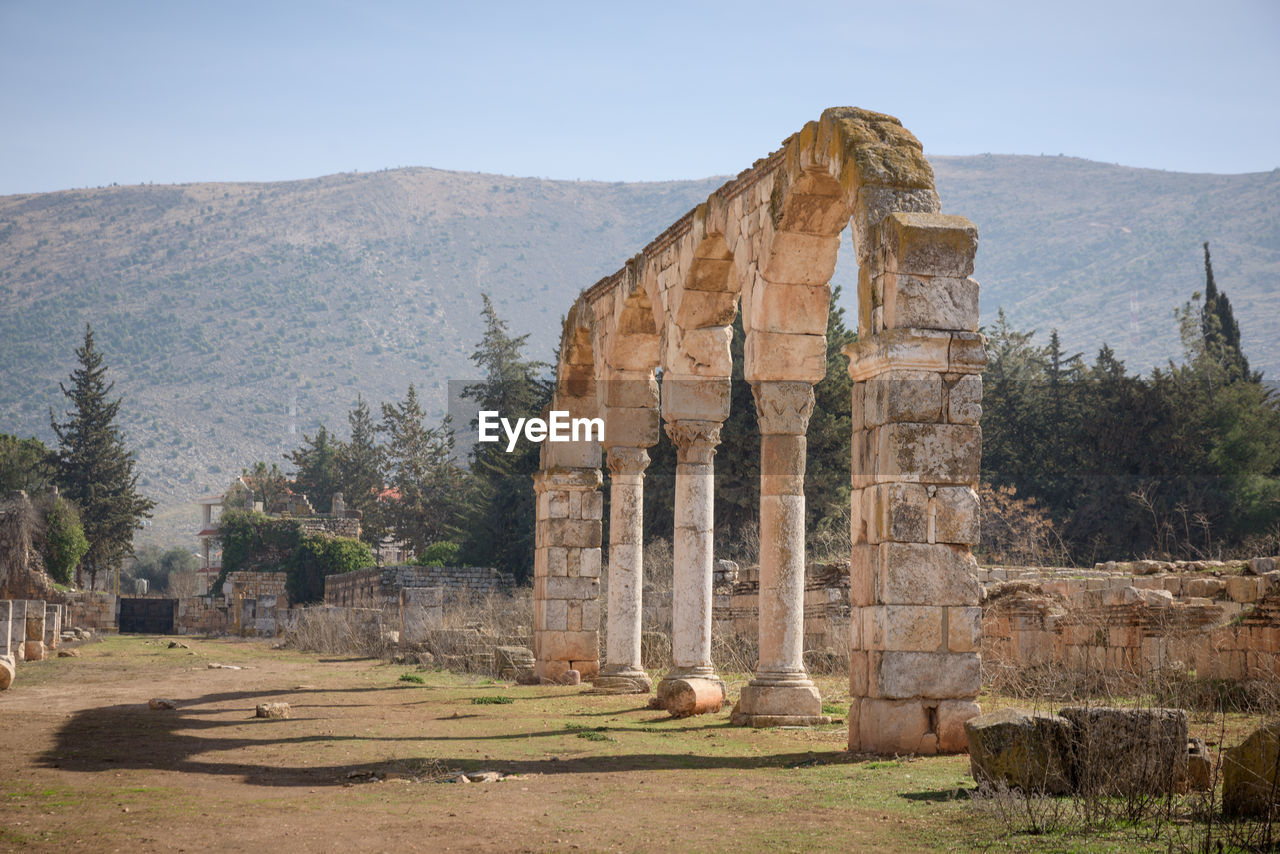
(86, 765)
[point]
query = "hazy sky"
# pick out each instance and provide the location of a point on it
(99, 92)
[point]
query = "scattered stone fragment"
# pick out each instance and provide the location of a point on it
(1124, 751)
(178, 645)
(224, 667)
(1199, 766)
(159, 703)
(571, 677)
(68, 653)
(8, 669)
(272, 710)
(1251, 773)
(1029, 751)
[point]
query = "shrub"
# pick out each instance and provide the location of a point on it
(439, 554)
(64, 541)
(318, 556)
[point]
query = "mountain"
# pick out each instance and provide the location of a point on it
(236, 317)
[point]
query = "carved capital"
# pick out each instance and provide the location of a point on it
(695, 441)
(627, 461)
(783, 407)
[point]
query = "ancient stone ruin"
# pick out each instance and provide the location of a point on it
(765, 244)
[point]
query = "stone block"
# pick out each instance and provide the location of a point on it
(964, 400)
(630, 391)
(1242, 588)
(785, 357)
(901, 674)
(569, 646)
(571, 588)
(951, 717)
(955, 515)
(631, 427)
(920, 573)
(1028, 751)
(695, 398)
(930, 302)
(701, 308)
(897, 512)
(574, 533)
(968, 353)
(903, 396)
(801, 259)
(876, 202)
(889, 727)
(902, 627)
(588, 563)
(1123, 751)
(933, 453)
(857, 673)
(557, 558)
(795, 309)
(8, 669)
(1250, 773)
(555, 614)
(964, 629)
(929, 244)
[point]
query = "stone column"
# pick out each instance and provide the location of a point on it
(623, 672)
(781, 694)
(566, 572)
(915, 667)
(8, 666)
(692, 555)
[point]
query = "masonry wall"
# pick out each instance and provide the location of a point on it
(93, 610)
(379, 587)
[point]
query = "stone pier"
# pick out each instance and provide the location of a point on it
(8, 664)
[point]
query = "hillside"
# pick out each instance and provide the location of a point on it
(237, 316)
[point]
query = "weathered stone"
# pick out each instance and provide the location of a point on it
(902, 627)
(955, 515)
(1030, 751)
(903, 396)
(1199, 766)
(683, 698)
(8, 669)
(952, 715)
(964, 400)
(272, 710)
(1251, 773)
(918, 573)
(1128, 750)
(891, 726)
(929, 244)
(157, 704)
(899, 674)
(930, 302)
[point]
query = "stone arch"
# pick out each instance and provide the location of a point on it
(770, 238)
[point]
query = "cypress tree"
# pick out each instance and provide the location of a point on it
(94, 469)
(1220, 330)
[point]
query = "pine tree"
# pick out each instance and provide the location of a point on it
(428, 485)
(499, 521)
(1220, 330)
(362, 472)
(94, 469)
(316, 468)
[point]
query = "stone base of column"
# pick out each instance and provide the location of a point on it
(688, 696)
(920, 726)
(33, 650)
(621, 680)
(779, 705)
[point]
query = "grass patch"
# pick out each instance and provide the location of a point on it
(497, 700)
(596, 733)
(834, 709)
(412, 677)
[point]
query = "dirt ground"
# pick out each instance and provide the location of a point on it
(86, 765)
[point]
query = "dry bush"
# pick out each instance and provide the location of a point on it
(1016, 531)
(339, 631)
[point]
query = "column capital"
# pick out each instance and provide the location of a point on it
(783, 407)
(627, 461)
(695, 441)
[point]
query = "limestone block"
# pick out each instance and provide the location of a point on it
(571, 588)
(575, 455)
(8, 669)
(587, 669)
(1249, 773)
(555, 614)
(551, 671)
(801, 259)
(6, 631)
(557, 561)
(875, 203)
(955, 515)
(574, 533)
(898, 674)
(964, 629)
(686, 697)
(569, 646)
(275, 711)
(800, 309)
(903, 396)
(902, 627)
(930, 302)
(1242, 588)
(632, 427)
(588, 563)
(863, 574)
(893, 727)
(1029, 751)
(901, 350)
(33, 650)
(934, 453)
(557, 504)
(785, 357)
(695, 398)
(1128, 750)
(919, 573)
(929, 244)
(631, 390)
(706, 308)
(896, 512)
(858, 673)
(952, 715)
(964, 400)
(705, 352)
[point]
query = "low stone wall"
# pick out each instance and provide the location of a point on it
(253, 598)
(333, 526)
(201, 615)
(92, 610)
(379, 587)
(1215, 623)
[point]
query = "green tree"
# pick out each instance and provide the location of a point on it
(63, 543)
(1219, 328)
(94, 469)
(25, 464)
(155, 565)
(319, 556)
(361, 471)
(317, 473)
(499, 518)
(428, 486)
